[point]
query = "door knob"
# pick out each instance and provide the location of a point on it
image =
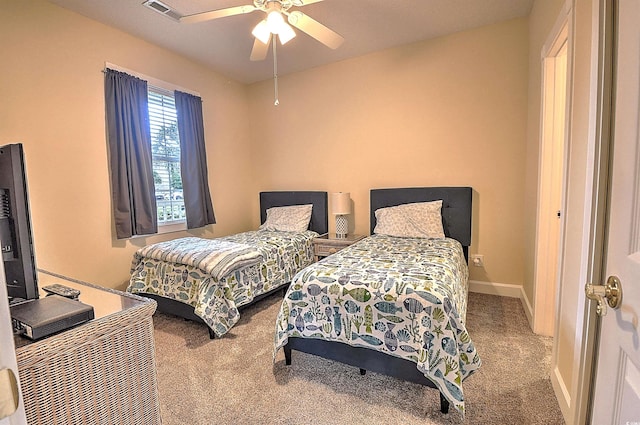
(611, 292)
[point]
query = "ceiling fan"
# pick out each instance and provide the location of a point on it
(274, 23)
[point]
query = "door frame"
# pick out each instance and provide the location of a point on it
(548, 243)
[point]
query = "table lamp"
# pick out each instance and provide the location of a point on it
(341, 207)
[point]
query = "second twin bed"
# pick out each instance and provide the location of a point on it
(395, 302)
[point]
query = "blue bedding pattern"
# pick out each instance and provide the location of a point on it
(217, 301)
(406, 297)
(216, 257)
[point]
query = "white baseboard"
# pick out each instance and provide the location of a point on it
(493, 288)
(562, 394)
(528, 308)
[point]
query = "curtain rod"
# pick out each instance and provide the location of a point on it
(153, 81)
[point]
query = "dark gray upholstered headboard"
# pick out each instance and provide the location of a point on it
(456, 206)
(319, 214)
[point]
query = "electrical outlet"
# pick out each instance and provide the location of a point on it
(477, 260)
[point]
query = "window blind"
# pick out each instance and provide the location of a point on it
(165, 149)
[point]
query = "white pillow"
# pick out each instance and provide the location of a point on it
(294, 218)
(417, 220)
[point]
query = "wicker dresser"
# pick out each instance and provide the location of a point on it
(101, 372)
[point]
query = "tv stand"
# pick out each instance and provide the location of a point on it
(100, 372)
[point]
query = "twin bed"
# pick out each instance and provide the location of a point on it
(393, 303)
(209, 280)
(389, 304)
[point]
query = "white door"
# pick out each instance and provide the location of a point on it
(617, 387)
(8, 367)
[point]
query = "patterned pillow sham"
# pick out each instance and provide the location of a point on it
(416, 220)
(294, 218)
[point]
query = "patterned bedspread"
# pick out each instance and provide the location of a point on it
(406, 297)
(217, 257)
(217, 301)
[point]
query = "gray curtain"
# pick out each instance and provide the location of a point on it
(129, 139)
(193, 161)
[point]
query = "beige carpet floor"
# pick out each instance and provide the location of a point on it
(233, 380)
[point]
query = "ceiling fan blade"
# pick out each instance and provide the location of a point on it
(300, 3)
(315, 29)
(260, 50)
(215, 14)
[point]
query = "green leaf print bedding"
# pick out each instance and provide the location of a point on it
(406, 297)
(217, 301)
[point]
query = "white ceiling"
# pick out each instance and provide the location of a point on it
(225, 44)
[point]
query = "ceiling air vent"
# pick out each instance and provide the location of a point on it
(162, 9)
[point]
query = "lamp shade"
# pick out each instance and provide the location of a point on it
(275, 21)
(261, 32)
(286, 33)
(341, 203)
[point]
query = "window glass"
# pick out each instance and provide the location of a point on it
(165, 150)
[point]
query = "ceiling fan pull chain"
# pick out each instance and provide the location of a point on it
(275, 70)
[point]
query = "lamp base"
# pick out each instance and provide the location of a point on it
(342, 226)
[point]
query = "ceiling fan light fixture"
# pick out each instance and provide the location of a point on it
(262, 32)
(275, 21)
(286, 33)
(274, 24)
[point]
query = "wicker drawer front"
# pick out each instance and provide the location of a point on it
(110, 380)
(324, 246)
(322, 250)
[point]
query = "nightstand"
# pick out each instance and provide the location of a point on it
(326, 245)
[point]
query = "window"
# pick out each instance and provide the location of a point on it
(153, 168)
(165, 151)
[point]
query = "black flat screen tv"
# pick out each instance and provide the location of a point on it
(16, 240)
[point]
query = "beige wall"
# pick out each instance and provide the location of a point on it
(449, 111)
(51, 91)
